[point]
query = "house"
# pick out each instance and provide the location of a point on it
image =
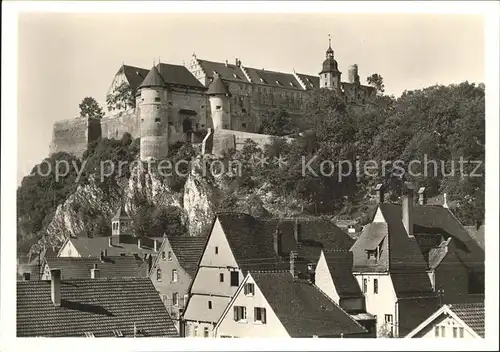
(334, 277)
(239, 243)
(391, 270)
(462, 320)
(105, 267)
(277, 304)
(124, 244)
(173, 270)
(104, 307)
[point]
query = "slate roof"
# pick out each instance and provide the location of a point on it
(471, 314)
(412, 284)
(134, 75)
(340, 266)
(96, 306)
(110, 267)
(227, 72)
(121, 213)
(188, 250)
(303, 309)
(153, 79)
(123, 244)
(217, 87)
(252, 240)
(414, 311)
(273, 78)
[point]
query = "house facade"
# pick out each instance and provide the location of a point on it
(278, 304)
(462, 321)
(173, 270)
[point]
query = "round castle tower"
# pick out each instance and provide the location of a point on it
(329, 77)
(220, 107)
(154, 117)
(352, 74)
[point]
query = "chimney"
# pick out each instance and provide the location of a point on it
(296, 231)
(407, 207)
(422, 197)
(94, 272)
(293, 255)
(26, 276)
(101, 257)
(110, 241)
(278, 242)
(55, 284)
(379, 188)
(155, 245)
(237, 62)
(139, 243)
(226, 63)
(312, 273)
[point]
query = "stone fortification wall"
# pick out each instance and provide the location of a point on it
(73, 135)
(113, 127)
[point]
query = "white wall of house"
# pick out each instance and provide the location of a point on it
(228, 327)
(197, 329)
(447, 327)
(224, 256)
(379, 217)
(323, 279)
(382, 303)
(69, 250)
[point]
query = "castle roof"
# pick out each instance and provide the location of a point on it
(217, 87)
(178, 75)
(135, 75)
(153, 79)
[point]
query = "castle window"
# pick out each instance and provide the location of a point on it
(170, 103)
(243, 110)
(243, 125)
(157, 99)
(218, 107)
(157, 119)
(157, 108)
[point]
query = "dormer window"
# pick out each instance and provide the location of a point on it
(372, 253)
(278, 83)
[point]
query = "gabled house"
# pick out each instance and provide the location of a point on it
(103, 267)
(174, 269)
(333, 276)
(391, 270)
(462, 320)
(91, 308)
(277, 304)
(238, 244)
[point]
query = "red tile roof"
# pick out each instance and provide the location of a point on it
(96, 306)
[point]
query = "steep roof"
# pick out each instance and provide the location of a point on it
(178, 75)
(471, 314)
(413, 311)
(188, 251)
(121, 213)
(227, 72)
(96, 306)
(135, 75)
(273, 78)
(311, 82)
(110, 267)
(302, 308)
(123, 244)
(412, 284)
(217, 87)
(340, 267)
(153, 79)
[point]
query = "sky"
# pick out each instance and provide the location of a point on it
(65, 57)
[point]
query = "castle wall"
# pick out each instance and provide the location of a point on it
(113, 127)
(72, 135)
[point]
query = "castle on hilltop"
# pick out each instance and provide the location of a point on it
(173, 103)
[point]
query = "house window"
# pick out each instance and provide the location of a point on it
(157, 99)
(443, 331)
(243, 125)
(174, 275)
(455, 332)
(195, 331)
(249, 289)
(235, 279)
(209, 304)
(218, 107)
(163, 255)
(260, 315)
(221, 277)
(157, 119)
(175, 298)
(240, 313)
(375, 286)
(436, 331)
(158, 274)
(216, 250)
(169, 256)
(365, 285)
(243, 110)
(461, 332)
(205, 332)
(371, 253)
(170, 103)
(225, 126)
